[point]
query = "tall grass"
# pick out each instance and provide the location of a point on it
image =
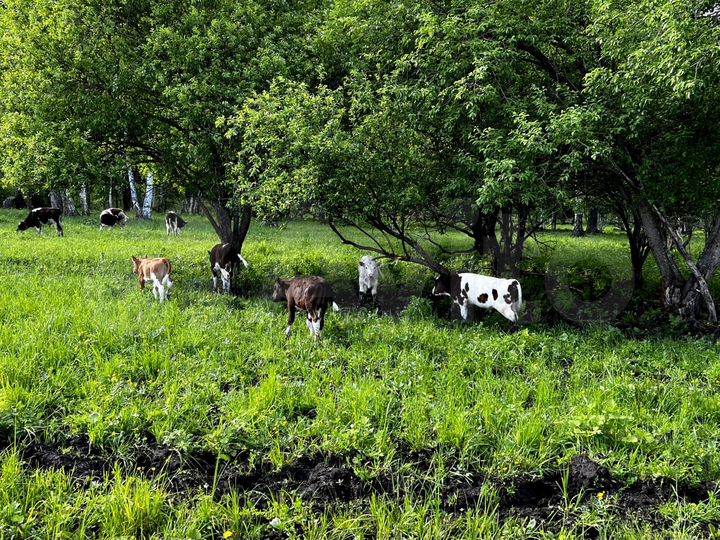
(84, 354)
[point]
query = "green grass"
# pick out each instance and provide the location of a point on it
(84, 354)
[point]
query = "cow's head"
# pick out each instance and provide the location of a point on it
(279, 290)
(442, 285)
(22, 226)
(122, 218)
(136, 264)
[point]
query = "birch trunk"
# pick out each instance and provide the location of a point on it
(133, 193)
(149, 195)
(85, 203)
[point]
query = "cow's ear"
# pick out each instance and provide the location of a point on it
(361, 263)
(134, 259)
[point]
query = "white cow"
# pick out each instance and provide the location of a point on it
(368, 278)
(502, 295)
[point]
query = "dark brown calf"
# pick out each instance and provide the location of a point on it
(310, 294)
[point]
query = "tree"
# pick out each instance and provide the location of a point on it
(425, 129)
(143, 82)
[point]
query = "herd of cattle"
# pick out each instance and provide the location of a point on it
(313, 294)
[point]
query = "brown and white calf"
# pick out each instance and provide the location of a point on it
(312, 295)
(158, 272)
(486, 292)
(224, 262)
(174, 223)
(111, 217)
(42, 216)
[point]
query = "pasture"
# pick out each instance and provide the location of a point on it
(124, 418)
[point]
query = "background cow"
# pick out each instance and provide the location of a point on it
(174, 223)
(224, 262)
(156, 270)
(310, 294)
(503, 295)
(368, 279)
(111, 217)
(42, 216)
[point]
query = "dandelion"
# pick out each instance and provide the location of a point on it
(227, 534)
(601, 496)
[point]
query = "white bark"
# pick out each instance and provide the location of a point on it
(133, 193)
(84, 200)
(110, 197)
(149, 195)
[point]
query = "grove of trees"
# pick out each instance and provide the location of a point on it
(402, 120)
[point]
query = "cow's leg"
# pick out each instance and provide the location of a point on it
(142, 283)
(168, 286)
(309, 323)
(291, 318)
(38, 230)
(59, 228)
(464, 311)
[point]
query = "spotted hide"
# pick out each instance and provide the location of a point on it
(486, 292)
(156, 271)
(42, 216)
(312, 295)
(111, 217)
(174, 224)
(224, 263)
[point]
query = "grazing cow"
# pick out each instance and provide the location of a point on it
(174, 223)
(42, 216)
(111, 217)
(156, 270)
(369, 277)
(310, 294)
(503, 295)
(224, 261)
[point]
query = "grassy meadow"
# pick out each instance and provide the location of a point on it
(124, 418)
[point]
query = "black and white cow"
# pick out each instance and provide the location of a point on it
(111, 217)
(368, 279)
(502, 295)
(224, 262)
(42, 216)
(174, 223)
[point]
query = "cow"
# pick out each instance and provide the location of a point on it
(156, 270)
(368, 279)
(42, 216)
(174, 223)
(111, 217)
(310, 294)
(486, 292)
(224, 260)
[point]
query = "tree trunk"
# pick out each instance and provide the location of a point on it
(484, 240)
(553, 222)
(56, 200)
(133, 193)
(149, 196)
(231, 227)
(578, 228)
(110, 196)
(593, 221)
(639, 249)
(84, 200)
(68, 205)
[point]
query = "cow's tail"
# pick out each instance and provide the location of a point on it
(169, 266)
(245, 263)
(335, 307)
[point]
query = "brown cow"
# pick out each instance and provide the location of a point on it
(310, 294)
(156, 270)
